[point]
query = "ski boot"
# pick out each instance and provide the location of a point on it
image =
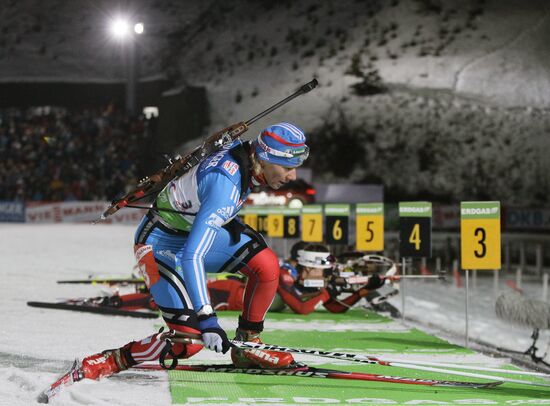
(258, 358)
(104, 364)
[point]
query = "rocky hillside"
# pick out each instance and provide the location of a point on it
(435, 99)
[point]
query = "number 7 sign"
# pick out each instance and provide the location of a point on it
(480, 235)
(312, 223)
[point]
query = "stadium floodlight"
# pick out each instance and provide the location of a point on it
(120, 28)
(138, 28)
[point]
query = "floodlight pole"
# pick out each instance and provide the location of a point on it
(131, 75)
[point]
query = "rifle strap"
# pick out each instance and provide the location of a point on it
(241, 154)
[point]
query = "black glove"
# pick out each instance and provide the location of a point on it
(374, 282)
(333, 288)
(213, 335)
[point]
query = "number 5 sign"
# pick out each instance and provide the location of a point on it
(369, 229)
(480, 235)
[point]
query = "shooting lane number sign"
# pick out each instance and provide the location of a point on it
(275, 222)
(415, 229)
(291, 223)
(262, 219)
(312, 223)
(480, 235)
(249, 216)
(369, 227)
(337, 224)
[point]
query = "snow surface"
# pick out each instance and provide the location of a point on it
(37, 345)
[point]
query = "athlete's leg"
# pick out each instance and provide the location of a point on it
(155, 250)
(253, 258)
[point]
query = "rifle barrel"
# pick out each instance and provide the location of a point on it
(303, 89)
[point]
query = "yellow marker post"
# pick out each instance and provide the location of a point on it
(369, 227)
(275, 222)
(262, 218)
(480, 235)
(479, 242)
(250, 217)
(292, 223)
(312, 223)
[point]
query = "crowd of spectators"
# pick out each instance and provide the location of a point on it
(57, 154)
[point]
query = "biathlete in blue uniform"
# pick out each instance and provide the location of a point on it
(193, 229)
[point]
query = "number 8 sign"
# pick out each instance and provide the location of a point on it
(480, 235)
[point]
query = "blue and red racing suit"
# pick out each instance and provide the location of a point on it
(175, 250)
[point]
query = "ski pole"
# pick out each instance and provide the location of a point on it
(305, 371)
(364, 359)
(469, 367)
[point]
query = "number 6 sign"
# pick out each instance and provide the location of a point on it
(480, 235)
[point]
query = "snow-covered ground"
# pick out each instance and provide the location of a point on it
(36, 345)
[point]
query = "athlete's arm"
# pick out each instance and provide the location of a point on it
(293, 300)
(219, 197)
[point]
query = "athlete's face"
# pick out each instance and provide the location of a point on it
(312, 273)
(277, 175)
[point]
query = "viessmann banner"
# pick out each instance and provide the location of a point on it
(78, 212)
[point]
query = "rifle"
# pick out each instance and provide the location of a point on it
(153, 184)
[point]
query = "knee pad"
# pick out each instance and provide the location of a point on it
(147, 265)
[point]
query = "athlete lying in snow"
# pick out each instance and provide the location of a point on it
(305, 281)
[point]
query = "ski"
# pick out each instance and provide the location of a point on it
(299, 370)
(84, 306)
(305, 371)
(73, 375)
(105, 281)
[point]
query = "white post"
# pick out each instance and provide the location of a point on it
(538, 254)
(467, 341)
(544, 287)
(438, 265)
(518, 277)
(522, 255)
(495, 283)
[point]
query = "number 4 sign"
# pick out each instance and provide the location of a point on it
(415, 229)
(480, 235)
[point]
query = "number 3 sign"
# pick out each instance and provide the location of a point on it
(480, 235)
